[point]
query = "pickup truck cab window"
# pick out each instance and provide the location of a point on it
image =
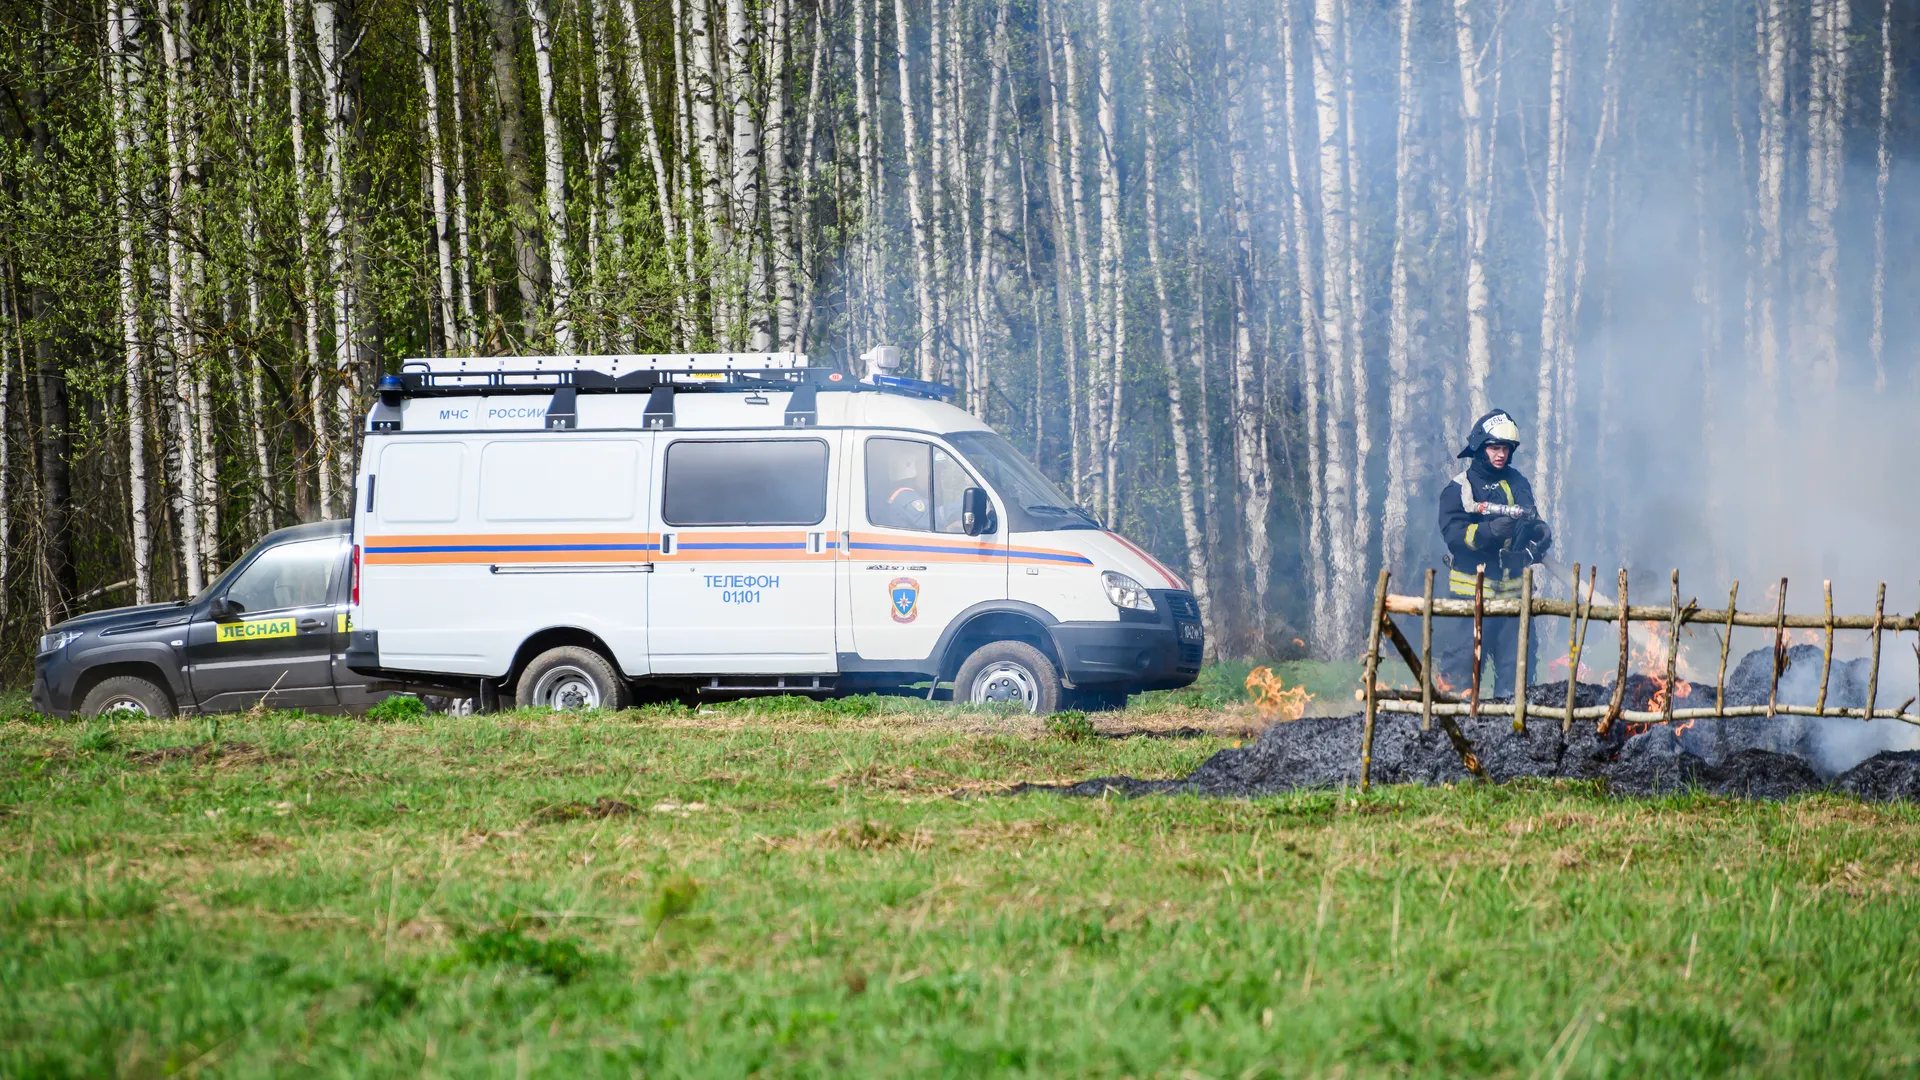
(288, 576)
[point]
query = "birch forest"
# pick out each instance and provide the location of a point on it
(1237, 273)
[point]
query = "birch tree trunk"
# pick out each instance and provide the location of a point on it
(1098, 359)
(1184, 471)
(1773, 31)
(1065, 269)
(1553, 326)
(118, 17)
(1197, 285)
(1250, 454)
(940, 212)
(1883, 159)
(1335, 325)
(611, 235)
(1113, 263)
(779, 193)
(868, 306)
(979, 375)
(1362, 541)
(174, 26)
(809, 145)
(1826, 119)
(1314, 370)
(10, 314)
(1479, 205)
(437, 169)
(1403, 319)
(260, 506)
(470, 335)
(303, 214)
(523, 197)
(749, 274)
(326, 31)
(559, 234)
(923, 283)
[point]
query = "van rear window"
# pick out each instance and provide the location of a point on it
(745, 482)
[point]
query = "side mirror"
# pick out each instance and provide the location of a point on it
(976, 514)
(223, 609)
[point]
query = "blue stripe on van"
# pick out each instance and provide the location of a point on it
(798, 546)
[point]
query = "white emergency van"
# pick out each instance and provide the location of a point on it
(576, 531)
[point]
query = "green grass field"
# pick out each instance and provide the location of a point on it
(785, 889)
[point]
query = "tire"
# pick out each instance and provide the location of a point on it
(126, 693)
(1008, 671)
(570, 677)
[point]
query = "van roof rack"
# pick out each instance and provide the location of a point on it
(443, 376)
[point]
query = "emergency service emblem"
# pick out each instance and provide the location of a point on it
(904, 592)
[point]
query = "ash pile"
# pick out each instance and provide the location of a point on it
(1746, 757)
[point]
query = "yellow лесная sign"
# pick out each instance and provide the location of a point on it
(254, 631)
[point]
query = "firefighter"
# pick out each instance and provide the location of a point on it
(906, 490)
(1490, 523)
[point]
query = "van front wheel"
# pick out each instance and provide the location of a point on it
(570, 677)
(1009, 672)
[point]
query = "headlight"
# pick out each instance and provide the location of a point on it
(1126, 592)
(58, 640)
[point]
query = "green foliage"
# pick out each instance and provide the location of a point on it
(400, 708)
(1071, 725)
(674, 898)
(99, 738)
(558, 957)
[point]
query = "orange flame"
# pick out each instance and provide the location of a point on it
(1274, 698)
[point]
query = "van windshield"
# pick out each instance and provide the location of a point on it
(1033, 502)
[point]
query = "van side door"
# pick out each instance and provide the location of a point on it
(744, 578)
(912, 568)
(278, 648)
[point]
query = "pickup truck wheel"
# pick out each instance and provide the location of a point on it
(126, 694)
(570, 677)
(1009, 672)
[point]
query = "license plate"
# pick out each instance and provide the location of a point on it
(1191, 632)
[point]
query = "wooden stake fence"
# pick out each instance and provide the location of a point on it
(1435, 705)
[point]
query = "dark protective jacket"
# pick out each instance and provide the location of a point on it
(1464, 526)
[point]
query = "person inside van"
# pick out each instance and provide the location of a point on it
(906, 502)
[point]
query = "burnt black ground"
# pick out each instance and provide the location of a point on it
(1753, 758)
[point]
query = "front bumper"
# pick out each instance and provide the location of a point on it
(53, 682)
(1157, 650)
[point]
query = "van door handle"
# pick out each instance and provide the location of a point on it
(816, 543)
(312, 624)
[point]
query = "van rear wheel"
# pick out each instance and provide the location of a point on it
(570, 677)
(1009, 672)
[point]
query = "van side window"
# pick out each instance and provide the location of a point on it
(288, 576)
(914, 485)
(745, 482)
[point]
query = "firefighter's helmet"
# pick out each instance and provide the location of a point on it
(1495, 427)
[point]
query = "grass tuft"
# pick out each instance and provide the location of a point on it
(398, 709)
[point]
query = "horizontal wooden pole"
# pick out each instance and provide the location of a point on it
(1415, 605)
(1595, 712)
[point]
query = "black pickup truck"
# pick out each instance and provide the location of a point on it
(272, 628)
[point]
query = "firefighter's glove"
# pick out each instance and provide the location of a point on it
(1534, 538)
(1499, 530)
